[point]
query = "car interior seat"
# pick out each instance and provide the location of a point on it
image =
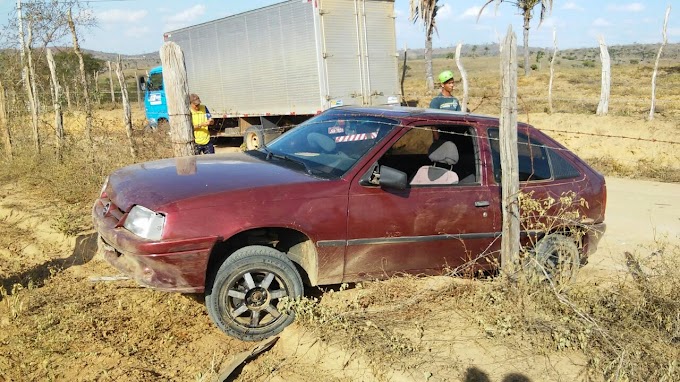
(446, 155)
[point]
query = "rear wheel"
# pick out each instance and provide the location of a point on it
(248, 287)
(556, 258)
(253, 138)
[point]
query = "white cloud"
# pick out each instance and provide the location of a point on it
(600, 22)
(572, 7)
(188, 15)
(444, 13)
(184, 18)
(126, 16)
(631, 7)
(472, 12)
(549, 22)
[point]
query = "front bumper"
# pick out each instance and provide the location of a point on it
(177, 266)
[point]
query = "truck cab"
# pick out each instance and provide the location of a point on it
(155, 103)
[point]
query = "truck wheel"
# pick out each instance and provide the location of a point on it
(253, 138)
(248, 286)
(557, 257)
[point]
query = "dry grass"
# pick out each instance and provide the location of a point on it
(576, 89)
(628, 331)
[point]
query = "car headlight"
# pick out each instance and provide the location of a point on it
(145, 223)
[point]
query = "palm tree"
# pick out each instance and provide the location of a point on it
(525, 7)
(426, 10)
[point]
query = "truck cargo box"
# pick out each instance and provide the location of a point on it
(297, 57)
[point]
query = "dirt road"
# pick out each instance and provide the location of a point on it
(641, 216)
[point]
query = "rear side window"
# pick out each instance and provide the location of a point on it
(562, 168)
(535, 160)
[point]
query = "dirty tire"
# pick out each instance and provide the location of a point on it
(557, 256)
(243, 297)
(253, 138)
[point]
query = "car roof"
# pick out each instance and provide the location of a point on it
(417, 113)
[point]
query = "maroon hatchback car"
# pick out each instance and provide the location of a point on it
(349, 195)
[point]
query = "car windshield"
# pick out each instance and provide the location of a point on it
(330, 144)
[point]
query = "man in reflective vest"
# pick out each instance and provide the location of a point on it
(201, 119)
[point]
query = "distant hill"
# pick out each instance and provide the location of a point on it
(640, 52)
(618, 53)
(146, 60)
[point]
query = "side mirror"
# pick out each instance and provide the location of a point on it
(392, 178)
(384, 177)
(142, 83)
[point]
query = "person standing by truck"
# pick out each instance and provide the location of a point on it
(201, 119)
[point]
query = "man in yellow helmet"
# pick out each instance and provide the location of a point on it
(201, 119)
(445, 100)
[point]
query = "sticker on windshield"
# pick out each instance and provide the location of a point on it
(356, 137)
(336, 130)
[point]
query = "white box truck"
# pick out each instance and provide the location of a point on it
(269, 68)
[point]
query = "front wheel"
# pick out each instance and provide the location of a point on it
(243, 300)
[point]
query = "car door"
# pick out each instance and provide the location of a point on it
(420, 229)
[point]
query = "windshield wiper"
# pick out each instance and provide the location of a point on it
(289, 159)
(268, 153)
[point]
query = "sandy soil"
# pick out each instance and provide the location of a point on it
(67, 327)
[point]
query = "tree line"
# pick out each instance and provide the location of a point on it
(38, 78)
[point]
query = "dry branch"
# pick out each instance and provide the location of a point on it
(56, 95)
(127, 114)
(4, 126)
(83, 79)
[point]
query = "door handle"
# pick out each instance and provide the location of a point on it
(482, 203)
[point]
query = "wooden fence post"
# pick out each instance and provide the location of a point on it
(127, 114)
(177, 96)
(508, 153)
(4, 126)
(603, 106)
(67, 92)
(113, 95)
(139, 97)
(656, 64)
(56, 95)
(463, 78)
(552, 71)
(97, 98)
(403, 76)
(83, 82)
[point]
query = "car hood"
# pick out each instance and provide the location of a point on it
(159, 183)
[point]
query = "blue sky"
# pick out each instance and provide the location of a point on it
(135, 27)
